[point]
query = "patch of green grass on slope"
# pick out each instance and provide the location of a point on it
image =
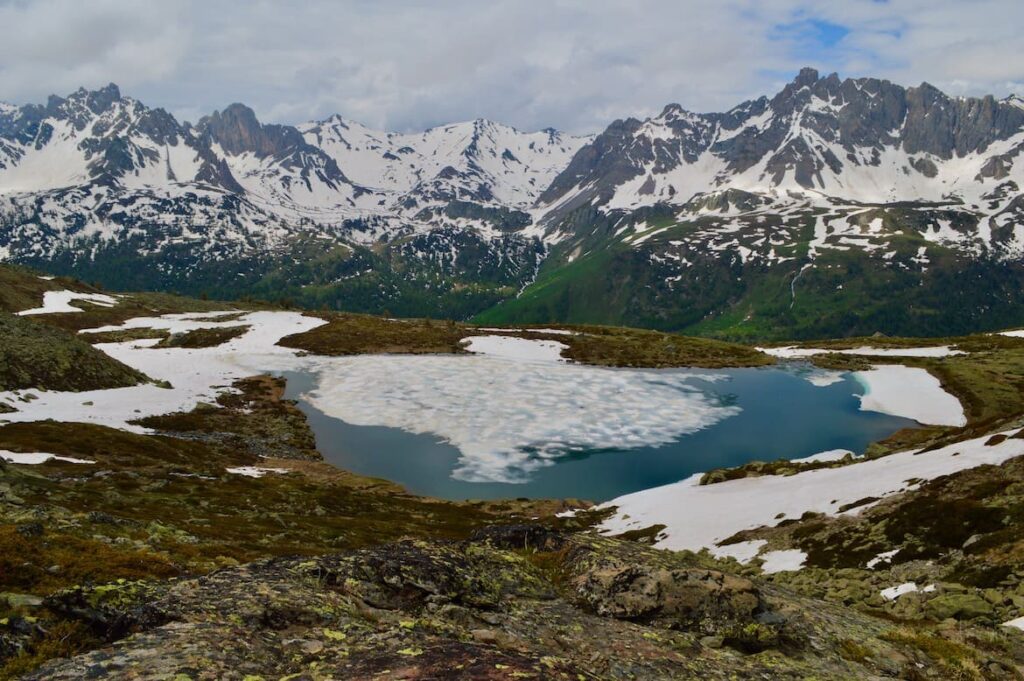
(575, 293)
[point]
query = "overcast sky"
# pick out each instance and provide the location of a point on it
(571, 64)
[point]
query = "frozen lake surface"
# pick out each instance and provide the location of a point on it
(742, 415)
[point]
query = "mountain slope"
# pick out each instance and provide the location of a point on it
(101, 186)
(836, 207)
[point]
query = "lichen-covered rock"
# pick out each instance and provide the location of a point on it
(681, 598)
(512, 602)
(959, 606)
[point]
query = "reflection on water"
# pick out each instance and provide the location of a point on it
(783, 415)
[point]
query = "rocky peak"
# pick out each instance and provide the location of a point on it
(808, 134)
(237, 130)
(806, 78)
(104, 98)
(1014, 100)
(96, 101)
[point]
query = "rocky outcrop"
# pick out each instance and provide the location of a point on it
(511, 602)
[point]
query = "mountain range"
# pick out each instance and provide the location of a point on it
(835, 207)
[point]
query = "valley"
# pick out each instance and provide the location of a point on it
(134, 500)
(733, 394)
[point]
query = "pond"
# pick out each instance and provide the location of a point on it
(387, 420)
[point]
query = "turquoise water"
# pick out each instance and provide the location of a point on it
(782, 416)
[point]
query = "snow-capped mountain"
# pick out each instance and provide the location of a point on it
(741, 222)
(676, 217)
(325, 172)
(822, 141)
(479, 161)
(97, 175)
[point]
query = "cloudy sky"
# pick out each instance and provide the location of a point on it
(571, 64)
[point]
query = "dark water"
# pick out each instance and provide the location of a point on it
(783, 416)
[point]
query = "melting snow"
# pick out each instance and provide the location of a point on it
(788, 560)
(35, 458)
(830, 455)
(255, 471)
(510, 347)
(699, 516)
(894, 592)
(60, 301)
(509, 417)
(1015, 623)
(909, 392)
(509, 411)
(197, 375)
(743, 551)
(790, 352)
(824, 378)
(883, 557)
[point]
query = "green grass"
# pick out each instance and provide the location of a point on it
(565, 294)
(845, 293)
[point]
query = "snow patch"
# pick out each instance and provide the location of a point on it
(255, 471)
(196, 375)
(511, 347)
(743, 551)
(894, 592)
(883, 557)
(699, 516)
(790, 352)
(1017, 623)
(788, 560)
(60, 301)
(36, 458)
(909, 392)
(830, 455)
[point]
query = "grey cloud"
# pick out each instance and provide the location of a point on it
(572, 64)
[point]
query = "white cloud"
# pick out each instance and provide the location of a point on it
(54, 46)
(573, 64)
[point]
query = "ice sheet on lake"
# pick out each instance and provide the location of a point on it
(509, 412)
(822, 378)
(510, 417)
